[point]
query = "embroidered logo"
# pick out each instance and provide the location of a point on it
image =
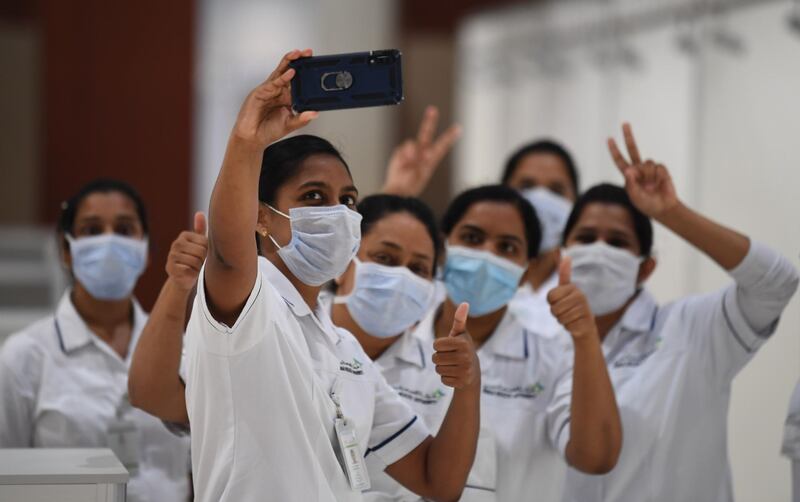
(519, 392)
(419, 396)
(355, 367)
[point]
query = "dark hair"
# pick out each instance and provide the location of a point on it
(606, 193)
(69, 208)
(375, 207)
(542, 146)
(495, 193)
(281, 160)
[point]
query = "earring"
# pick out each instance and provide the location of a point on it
(263, 232)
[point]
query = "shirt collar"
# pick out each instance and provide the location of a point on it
(296, 303)
(73, 332)
(407, 348)
(510, 339)
(639, 317)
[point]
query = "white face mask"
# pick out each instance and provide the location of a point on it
(553, 211)
(324, 240)
(605, 274)
(386, 301)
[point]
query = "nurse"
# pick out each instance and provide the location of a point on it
(671, 365)
(539, 404)
(545, 173)
(63, 380)
(280, 401)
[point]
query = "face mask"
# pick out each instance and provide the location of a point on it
(107, 265)
(606, 275)
(485, 281)
(386, 301)
(553, 211)
(324, 240)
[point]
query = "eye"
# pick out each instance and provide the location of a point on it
(348, 200)
(384, 259)
(314, 196)
(558, 188)
(472, 238)
(420, 269)
(586, 238)
(526, 184)
(618, 243)
(89, 229)
(508, 248)
(124, 229)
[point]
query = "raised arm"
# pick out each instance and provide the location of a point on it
(595, 429)
(415, 160)
(766, 281)
(438, 468)
(265, 117)
(154, 384)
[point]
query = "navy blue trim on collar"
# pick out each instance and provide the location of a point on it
(484, 488)
(653, 321)
(421, 354)
(525, 342)
(391, 438)
(60, 338)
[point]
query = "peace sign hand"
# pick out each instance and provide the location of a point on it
(414, 162)
(266, 114)
(648, 183)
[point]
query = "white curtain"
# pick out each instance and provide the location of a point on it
(715, 98)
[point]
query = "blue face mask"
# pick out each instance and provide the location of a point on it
(485, 281)
(324, 240)
(386, 301)
(108, 265)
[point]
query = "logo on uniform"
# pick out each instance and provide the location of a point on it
(355, 367)
(531, 391)
(419, 396)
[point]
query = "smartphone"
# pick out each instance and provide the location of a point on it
(340, 81)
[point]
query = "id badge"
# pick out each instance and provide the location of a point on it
(123, 439)
(353, 460)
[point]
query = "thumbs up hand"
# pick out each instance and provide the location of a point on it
(569, 305)
(455, 358)
(187, 254)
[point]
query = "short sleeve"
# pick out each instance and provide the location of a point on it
(396, 429)
(791, 429)
(726, 328)
(250, 327)
(716, 332)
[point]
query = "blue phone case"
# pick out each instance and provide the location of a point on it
(353, 80)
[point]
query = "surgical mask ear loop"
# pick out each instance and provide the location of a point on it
(269, 235)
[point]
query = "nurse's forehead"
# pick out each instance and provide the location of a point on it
(325, 171)
(494, 217)
(606, 216)
(106, 204)
(403, 231)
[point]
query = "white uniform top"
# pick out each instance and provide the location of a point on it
(672, 368)
(61, 387)
(525, 406)
(259, 400)
(533, 310)
(791, 441)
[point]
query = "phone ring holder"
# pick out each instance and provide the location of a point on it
(336, 81)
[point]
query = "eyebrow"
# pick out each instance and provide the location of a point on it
(511, 238)
(94, 217)
(316, 184)
(392, 245)
(473, 227)
(422, 255)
